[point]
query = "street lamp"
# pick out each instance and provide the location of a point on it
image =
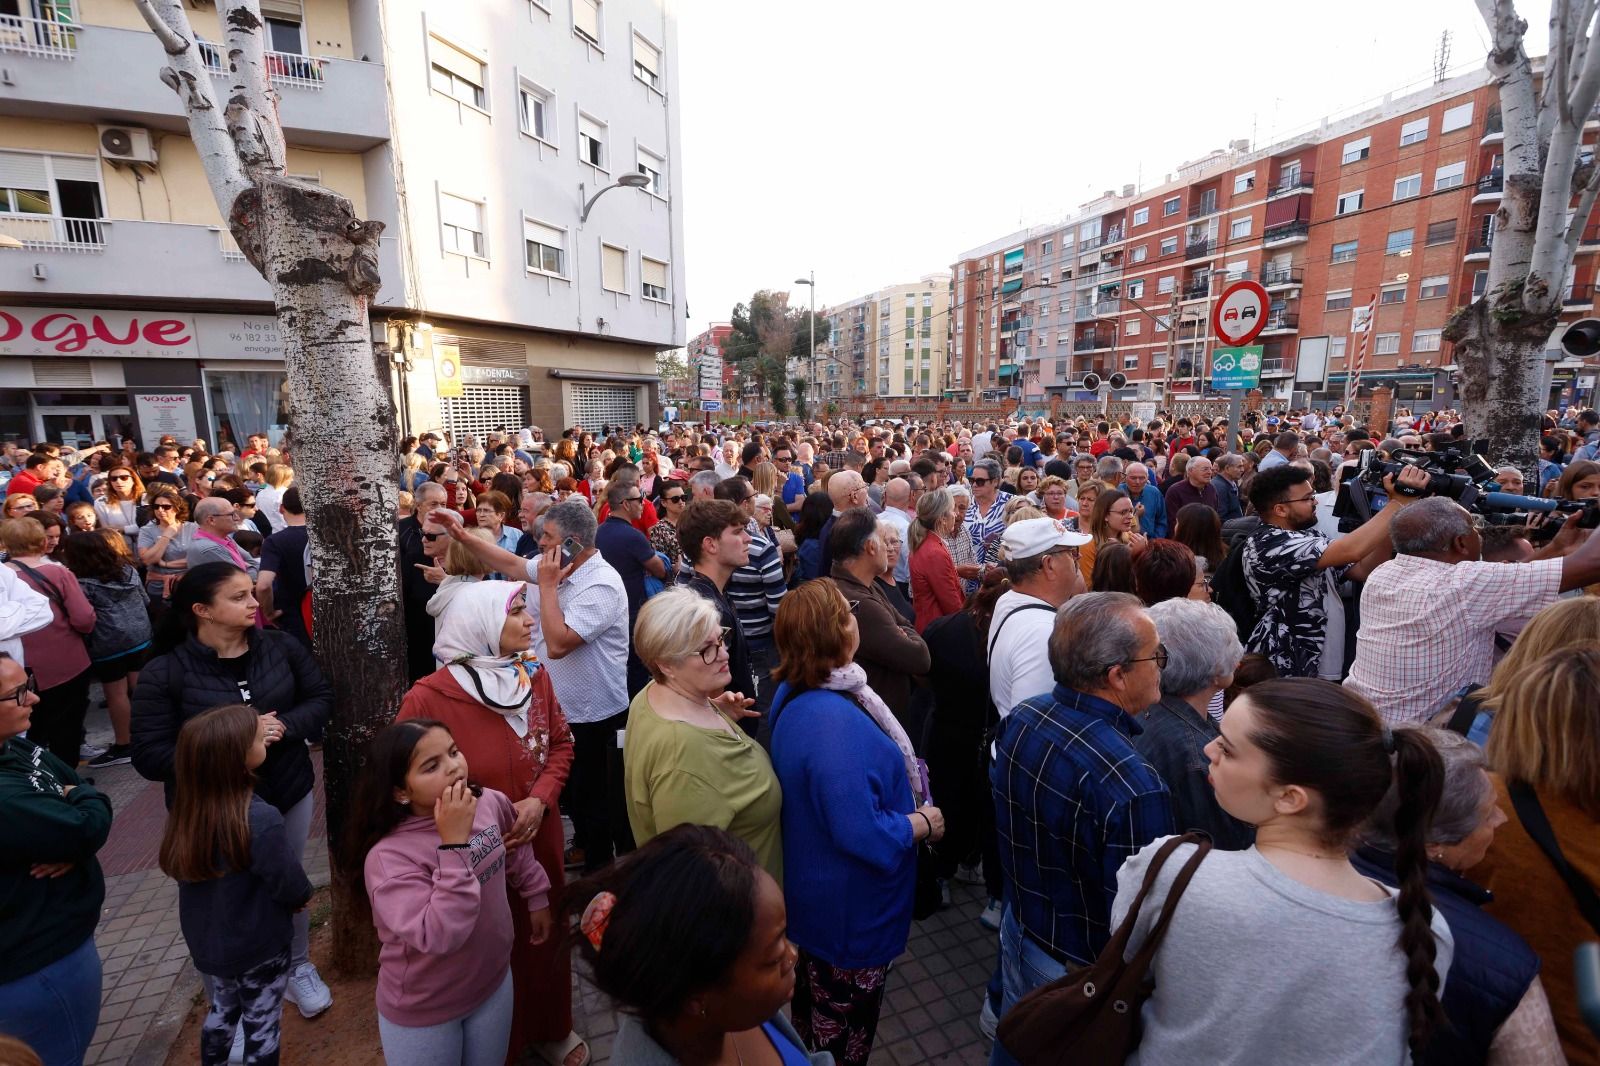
(627, 181)
(811, 357)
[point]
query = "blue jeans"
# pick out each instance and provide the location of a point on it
(1024, 966)
(55, 1010)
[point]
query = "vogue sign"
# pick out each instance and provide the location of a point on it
(50, 331)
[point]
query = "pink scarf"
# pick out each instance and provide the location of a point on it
(852, 679)
(233, 549)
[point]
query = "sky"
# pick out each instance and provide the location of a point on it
(873, 141)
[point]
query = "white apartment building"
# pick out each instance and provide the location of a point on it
(476, 132)
(888, 343)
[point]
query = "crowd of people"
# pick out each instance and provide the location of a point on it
(788, 683)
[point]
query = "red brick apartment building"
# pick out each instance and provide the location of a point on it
(1391, 208)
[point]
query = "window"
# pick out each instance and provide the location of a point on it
(1434, 288)
(1343, 252)
(592, 142)
(1046, 247)
(1169, 245)
(1338, 300)
(1414, 132)
(646, 62)
(1407, 187)
(654, 167)
(1161, 327)
(1480, 283)
(1387, 344)
(1130, 362)
(1141, 215)
(1139, 254)
(1350, 202)
(1239, 227)
(285, 35)
(586, 20)
(1136, 289)
(613, 268)
(536, 111)
(1165, 285)
(1131, 329)
(456, 74)
(1442, 232)
(461, 221)
(1456, 118)
(653, 279)
(546, 248)
(1357, 150)
(1244, 182)
(1392, 294)
(1448, 177)
(1399, 242)
(1170, 207)
(1426, 340)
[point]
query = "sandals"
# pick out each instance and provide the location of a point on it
(556, 1052)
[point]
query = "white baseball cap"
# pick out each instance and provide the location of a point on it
(1035, 536)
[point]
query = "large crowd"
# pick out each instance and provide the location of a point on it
(788, 683)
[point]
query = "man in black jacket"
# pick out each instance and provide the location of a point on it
(417, 563)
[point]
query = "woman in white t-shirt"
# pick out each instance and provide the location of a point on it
(1284, 952)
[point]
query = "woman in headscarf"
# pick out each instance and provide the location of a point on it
(498, 703)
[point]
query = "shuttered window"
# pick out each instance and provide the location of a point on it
(592, 142)
(456, 74)
(594, 406)
(654, 277)
(547, 248)
(613, 268)
(586, 19)
(646, 62)
(461, 221)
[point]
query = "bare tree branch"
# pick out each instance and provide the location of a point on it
(1587, 86)
(1555, 75)
(243, 30)
(173, 41)
(1580, 218)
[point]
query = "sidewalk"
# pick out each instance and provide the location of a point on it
(930, 1013)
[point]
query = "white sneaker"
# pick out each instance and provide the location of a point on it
(970, 875)
(306, 991)
(987, 1022)
(990, 918)
(87, 751)
(236, 1053)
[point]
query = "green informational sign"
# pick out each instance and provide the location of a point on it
(1236, 368)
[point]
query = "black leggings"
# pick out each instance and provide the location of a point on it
(57, 722)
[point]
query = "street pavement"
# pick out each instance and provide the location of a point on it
(930, 1012)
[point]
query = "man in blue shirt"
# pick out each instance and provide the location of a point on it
(794, 487)
(629, 553)
(1136, 483)
(1073, 797)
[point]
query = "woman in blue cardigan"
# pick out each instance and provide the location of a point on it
(854, 810)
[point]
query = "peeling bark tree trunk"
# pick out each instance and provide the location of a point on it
(1500, 340)
(322, 264)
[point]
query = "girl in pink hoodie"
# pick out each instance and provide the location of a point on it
(435, 874)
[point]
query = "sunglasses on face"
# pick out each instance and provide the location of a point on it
(676, 498)
(162, 507)
(431, 537)
(121, 477)
(979, 480)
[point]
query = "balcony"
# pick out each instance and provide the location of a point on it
(1493, 127)
(1490, 186)
(1198, 249)
(1203, 208)
(108, 259)
(1197, 290)
(1479, 249)
(1094, 343)
(42, 38)
(1286, 233)
(1281, 277)
(1084, 312)
(1092, 243)
(1292, 183)
(1281, 322)
(1580, 296)
(1273, 366)
(325, 103)
(1590, 237)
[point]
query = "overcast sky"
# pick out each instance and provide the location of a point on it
(874, 140)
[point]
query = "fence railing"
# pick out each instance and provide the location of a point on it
(287, 68)
(56, 233)
(46, 38)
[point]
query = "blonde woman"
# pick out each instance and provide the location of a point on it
(1568, 623)
(269, 498)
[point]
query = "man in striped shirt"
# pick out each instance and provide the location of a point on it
(756, 588)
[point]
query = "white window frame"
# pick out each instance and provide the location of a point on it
(1386, 344)
(1132, 327)
(1165, 285)
(562, 250)
(1139, 254)
(1456, 118)
(1355, 151)
(1402, 184)
(1394, 287)
(528, 87)
(1239, 228)
(660, 54)
(1335, 257)
(606, 246)
(666, 290)
(603, 167)
(435, 38)
(1243, 183)
(1338, 295)
(542, 5)
(1450, 176)
(483, 222)
(1136, 289)
(598, 41)
(1427, 340)
(1169, 240)
(1171, 206)
(1341, 206)
(1141, 216)
(658, 168)
(1439, 282)
(1414, 132)
(1410, 245)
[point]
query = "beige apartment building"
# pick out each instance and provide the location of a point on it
(889, 343)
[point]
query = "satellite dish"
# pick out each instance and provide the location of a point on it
(1091, 382)
(1119, 380)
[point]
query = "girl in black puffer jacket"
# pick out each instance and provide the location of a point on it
(209, 653)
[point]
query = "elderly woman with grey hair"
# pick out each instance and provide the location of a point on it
(986, 517)
(1203, 648)
(1495, 1007)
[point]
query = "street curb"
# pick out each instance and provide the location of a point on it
(155, 1046)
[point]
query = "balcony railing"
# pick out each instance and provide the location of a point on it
(1196, 249)
(287, 68)
(55, 233)
(1297, 182)
(1281, 320)
(1287, 231)
(1273, 364)
(1203, 208)
(1492, 182)
(1273, 276)
(1197, 290)
(1093, 242)
(1092, 343)
(45, 38)
(1580, 296)
(1481, 246)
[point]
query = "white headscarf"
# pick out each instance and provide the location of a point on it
(468, 640)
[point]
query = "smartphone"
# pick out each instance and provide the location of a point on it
(570, 550)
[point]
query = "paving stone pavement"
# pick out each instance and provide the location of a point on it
(930, 1013)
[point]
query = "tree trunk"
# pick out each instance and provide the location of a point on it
(1500, 350)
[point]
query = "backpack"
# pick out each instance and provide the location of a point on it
(1231, 592)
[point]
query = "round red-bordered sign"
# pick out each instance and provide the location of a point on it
(1240, 313)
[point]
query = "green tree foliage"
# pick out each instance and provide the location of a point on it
(798, 386)
(779, 396)
(767, 333)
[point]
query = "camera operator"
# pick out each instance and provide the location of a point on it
(1292, 571)
(1429, 615)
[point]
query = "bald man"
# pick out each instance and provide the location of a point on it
(897, 510)
(847, 489)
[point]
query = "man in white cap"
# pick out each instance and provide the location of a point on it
(1041, 559)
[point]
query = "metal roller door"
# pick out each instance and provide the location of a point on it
(483, 408)
(594, 406)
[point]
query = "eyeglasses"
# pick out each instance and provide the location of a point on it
(162, 507)
(1072, 551)
(1301, 499)
(30, 685)
(1159, 658)
(675, 498)
(708, 654)
(979, 480)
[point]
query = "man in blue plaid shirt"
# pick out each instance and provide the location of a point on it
(1073, 798)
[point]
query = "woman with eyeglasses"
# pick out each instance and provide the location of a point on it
(122, 509)
(664, 534)
(686, 758)
(163, 543)
(1114, 518)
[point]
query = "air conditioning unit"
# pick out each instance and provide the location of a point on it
(127, 144)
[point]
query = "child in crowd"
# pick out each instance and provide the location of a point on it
(435, 873)
(239, 883)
